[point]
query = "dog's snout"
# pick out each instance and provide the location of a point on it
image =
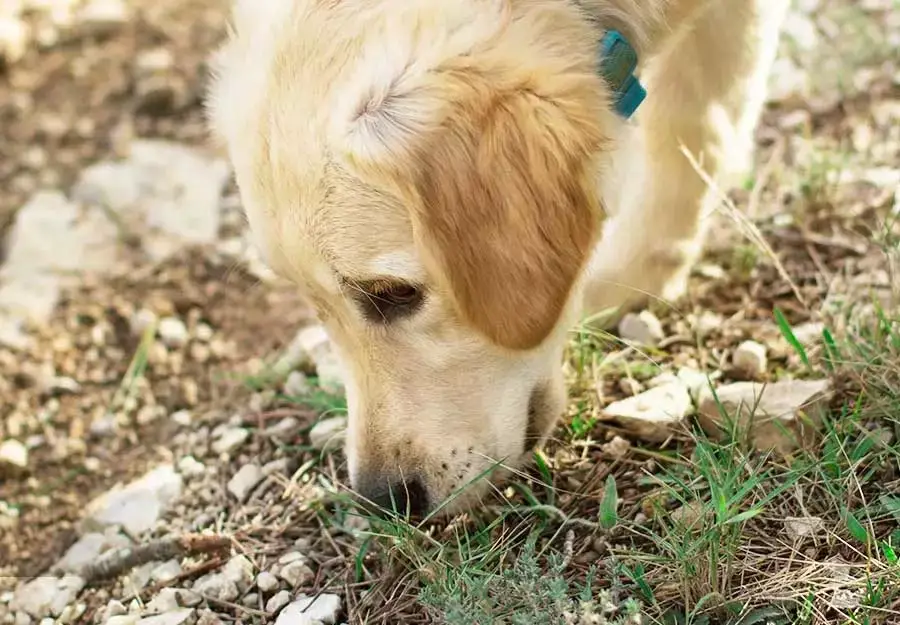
(402, 497)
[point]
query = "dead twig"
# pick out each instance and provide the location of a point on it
(117, 562)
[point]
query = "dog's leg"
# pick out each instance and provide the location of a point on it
(706, 89)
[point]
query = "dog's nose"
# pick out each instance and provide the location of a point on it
(404, 498)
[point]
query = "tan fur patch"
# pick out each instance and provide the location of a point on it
(508, 205)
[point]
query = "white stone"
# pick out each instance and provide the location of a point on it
(141, 321)
(14, 453)
(618, 447)
(175, 617)
(166, 572)
(297, 385)
(85, 551)
(191, 467)
(14, 36)
(240, 571)
(323, 608)
(802, 527)
(99, 17)
(642, 328)
(312, 348)
(296, 573)
(173, 332)
(750, 358)
(165, 601)
(184, 418)
(51, 243)
(123, 619)
(137, 506)
(284, 429)
(654, 414)
(230, 440)
(266, 582)
(166, 192)
(328, 434)
(217, 587)
(247, 477)
(778, 416)
(278, 601)
(46, 596)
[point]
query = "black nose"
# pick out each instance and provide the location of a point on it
(403, 498)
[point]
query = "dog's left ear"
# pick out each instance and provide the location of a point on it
(508, 206)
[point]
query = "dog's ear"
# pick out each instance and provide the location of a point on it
(508, 204)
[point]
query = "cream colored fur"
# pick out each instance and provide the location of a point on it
(468, 148)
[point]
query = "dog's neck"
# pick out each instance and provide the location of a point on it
(642, 22)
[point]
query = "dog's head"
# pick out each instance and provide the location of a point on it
(426, 173)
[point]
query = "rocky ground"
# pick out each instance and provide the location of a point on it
(171, 415)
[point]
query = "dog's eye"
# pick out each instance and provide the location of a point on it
(383, 301)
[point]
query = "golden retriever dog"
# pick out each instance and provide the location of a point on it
(453, 183)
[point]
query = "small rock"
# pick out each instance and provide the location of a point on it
(750, 359)
(266, 582)
(244, 481)
(230, 440)
(278, 601)
(13, 453)
(85, 551)
(324, 609)
(46, 596)
(296, 573)
(123, 619)
(328, 434)
(630, 386)
(141, 321)
(250, 600)
(297, 385)
(173, 332)
(14, 36)
(184, 418)
(284, 429)
(114, 608)
(217, 587)
(165, 601)
(166, 572)
(175, 617)
(208, 617)
(642, 328)
(240, 571)
(101, 17)
(137, 506)
(801, 527)
(617, 448)
(697, 382)
(654, 414)
(275, 466)
(809, 333)
(771, 413)
(190, 467)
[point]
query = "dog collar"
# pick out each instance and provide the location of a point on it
(618, 60)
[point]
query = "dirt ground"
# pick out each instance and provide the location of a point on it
(824, 188)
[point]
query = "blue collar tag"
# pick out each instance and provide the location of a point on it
(618, 60)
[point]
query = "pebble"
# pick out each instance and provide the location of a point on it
(772, 408)
(138, 506)
(750, 358)
(14, 453)
(184, 418)
(14, 36)
(278, 601)
(284, 429)
(166, 572)
(296, 573)
(100, 17)
(654, 414)
(173, 332)
(165, 601)
(230, 440)
(616, 448)
(190, 467)
(643, 328)
(247, 477)
(46, 595)
(141, 321)
(175, 617)
(85, 551)
(307, 610)
(328, 434)
(297, 385)
(266, 582)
